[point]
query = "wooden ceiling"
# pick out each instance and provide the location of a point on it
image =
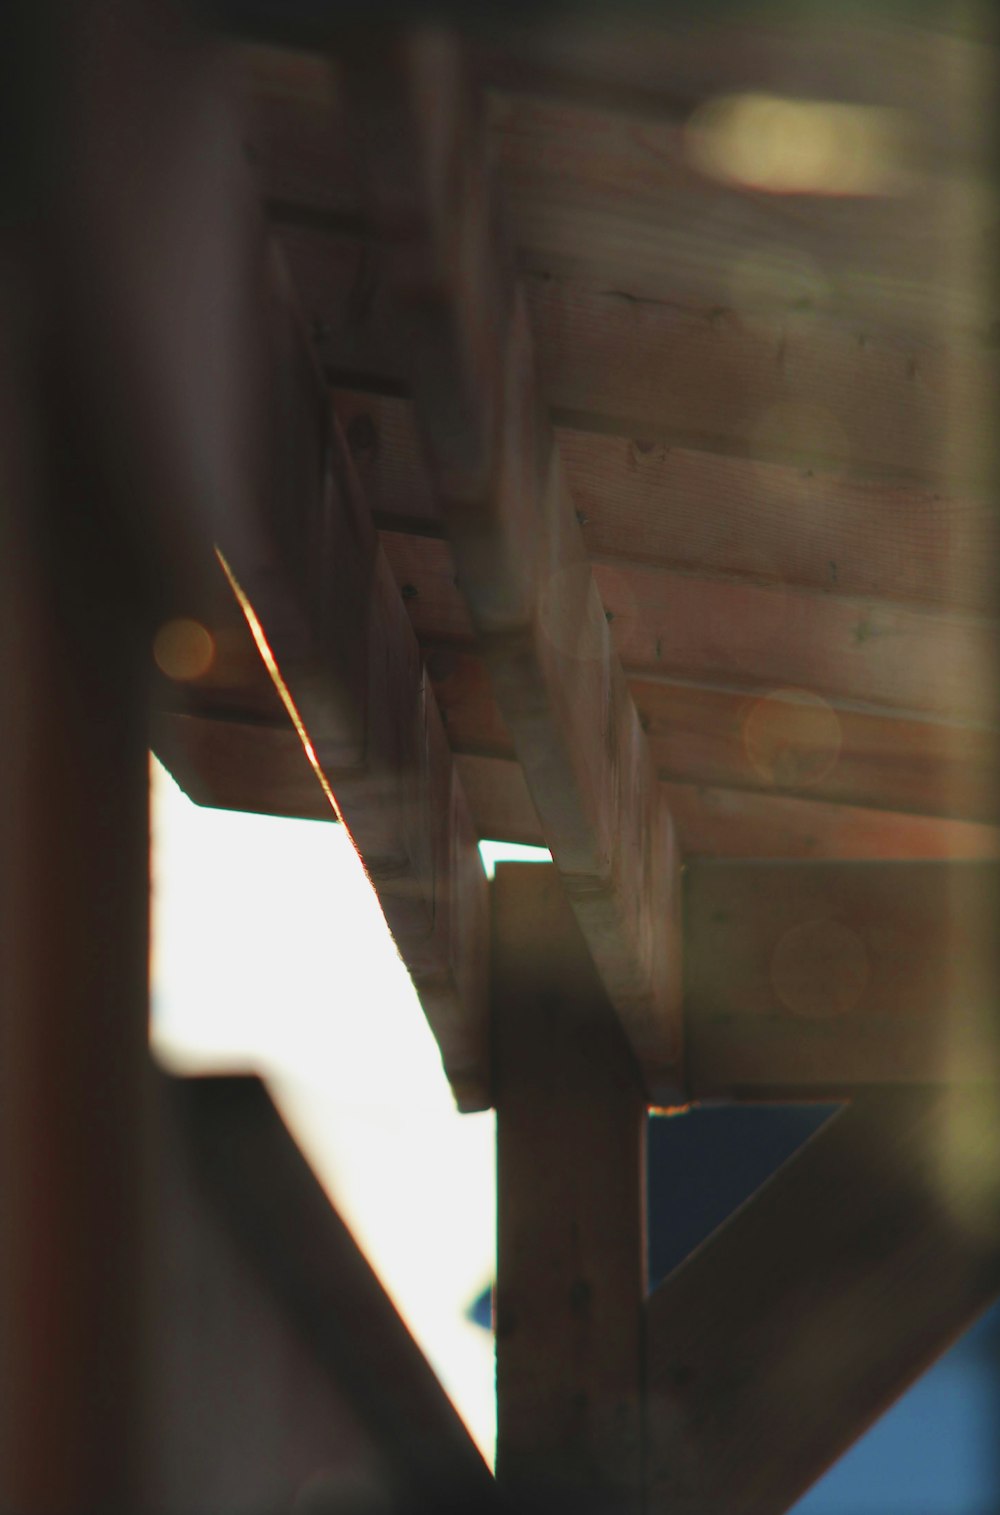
(772, 413)
(682, 480)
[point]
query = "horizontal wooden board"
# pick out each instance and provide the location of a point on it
(785, 1335)
(769, 523)
(728, 739)
(808, 979)
(805, 391)
(680, 626)
(621, 199)
(240, 765)
(737, 823)
(758, 523)
(790, 746)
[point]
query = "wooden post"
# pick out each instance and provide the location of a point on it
(73, 964)
(571, 1235)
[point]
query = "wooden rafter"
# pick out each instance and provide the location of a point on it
(495, 466)
(780, 1340)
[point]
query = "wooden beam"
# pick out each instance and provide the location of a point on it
(673, 624)
(785, 1335)
(621, 200)
(256, 1214)
(820, 399)
(765, 524)
(240, 765)
(495, 466)
(735, 823)
(570, 1194)
(780, 743)
(824, 403)
(809, 979)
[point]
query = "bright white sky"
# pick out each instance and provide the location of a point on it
(270, 954)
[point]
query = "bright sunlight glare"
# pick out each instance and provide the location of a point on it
(271, 955)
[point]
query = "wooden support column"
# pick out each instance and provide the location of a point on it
(73, 957)
(571, 1236)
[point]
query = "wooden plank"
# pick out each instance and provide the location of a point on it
(570, 1196)
(793, 744)
(809, 979)
(773, 524)
(524, 572)
(783, 743)
(620, 198)
(785, 1335)
(240, 765)
(674, 625)
(276, 1231)
(806, 392)
(614, 194)
(766, 524)
(735, 823)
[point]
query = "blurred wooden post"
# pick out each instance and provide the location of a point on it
(73, 959)
(571, 1234)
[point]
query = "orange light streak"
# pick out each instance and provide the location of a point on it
(270, 663)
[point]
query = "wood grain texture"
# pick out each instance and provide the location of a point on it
(765, 524)
(736, 823)
(619, 197)
(814, 978)
(803, 392)
(780, 744)
(239, 765)
(524, 572)
(570, 1195)
(684, 626)
(777, 525)
(787, 1333)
